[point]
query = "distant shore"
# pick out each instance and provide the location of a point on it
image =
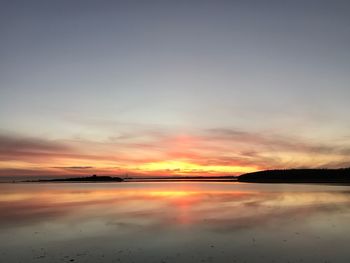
(327, 176)
(92, 179)
(336, 176)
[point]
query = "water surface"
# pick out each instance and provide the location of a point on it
(174, 222)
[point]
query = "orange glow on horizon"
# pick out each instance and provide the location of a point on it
(181, 167)
(166, 167)
(149, 154)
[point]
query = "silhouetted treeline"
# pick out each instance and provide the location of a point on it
(298, 176)
(93, 178)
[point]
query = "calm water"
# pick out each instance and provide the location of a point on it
(174, 222)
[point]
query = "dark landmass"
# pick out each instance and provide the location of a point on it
(93, 178)
(298, 176)
(96, 178)
(336, 176)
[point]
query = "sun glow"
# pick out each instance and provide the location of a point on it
(172, 193)
(181, 167)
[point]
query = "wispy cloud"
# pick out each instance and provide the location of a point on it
(165, 151)
(16, 145)
(73, 167)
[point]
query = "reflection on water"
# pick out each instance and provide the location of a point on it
(174, 222)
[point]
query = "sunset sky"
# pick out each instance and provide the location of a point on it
(173, 87)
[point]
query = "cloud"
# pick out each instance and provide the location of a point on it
(16, 143)
(8, 172)
(274, 141)
(73, 167)
(15, 147)
(204, 149)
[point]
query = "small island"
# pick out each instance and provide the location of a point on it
(94, 178)
(298, 176)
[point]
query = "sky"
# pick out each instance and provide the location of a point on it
(173, 87)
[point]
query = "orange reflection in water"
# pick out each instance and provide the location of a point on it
(156, 203)
(215, 206)
(184, 221)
